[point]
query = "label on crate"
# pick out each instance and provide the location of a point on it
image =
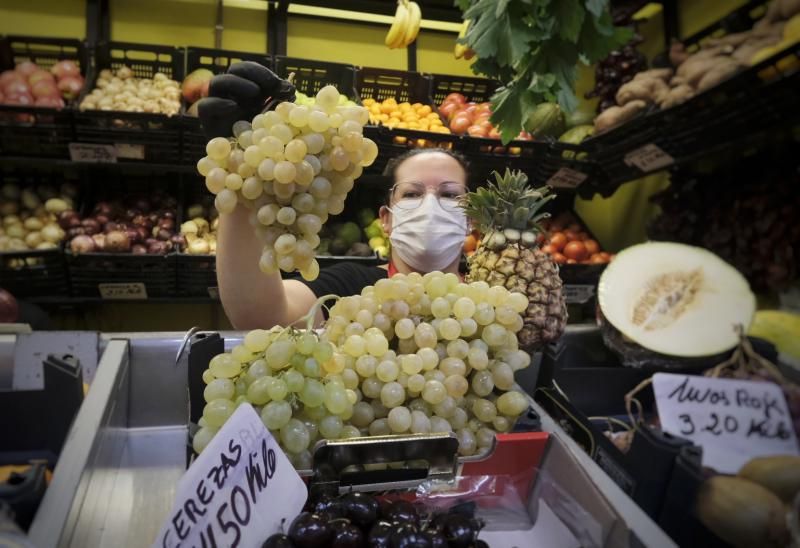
(238, 492)
(578, 294)
(732, 420)
(123, 291)
(566, 178)
(649, 158)
(97, 154)
(130, 152)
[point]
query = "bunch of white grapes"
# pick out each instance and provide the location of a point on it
(292, 167)
(411, 354)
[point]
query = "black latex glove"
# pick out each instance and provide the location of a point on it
(247, 89)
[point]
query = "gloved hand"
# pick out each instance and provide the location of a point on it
(247, 89)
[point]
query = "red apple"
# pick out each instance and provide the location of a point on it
(65, 68)
(477, 131)
(70, 86)
(26, 68)
(39, 76)
(43, 88)
(448, 109)
(457, 97)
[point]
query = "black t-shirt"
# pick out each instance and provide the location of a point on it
(344, 279)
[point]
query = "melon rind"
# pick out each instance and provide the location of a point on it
(706, 328)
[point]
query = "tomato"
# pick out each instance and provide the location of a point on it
(592, 247)
(481, 119)
(558, 258)
(556, 226)
(558, 240)
(606, 257)
(571, 235)
(477, 131)
(575, 250)
(540, 238)
(460, 124)
(494, 133)
(449, 109)
(470, 109)
(455, 97)
(549, 249)
(597, 258)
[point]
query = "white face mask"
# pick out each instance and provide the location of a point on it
(428, 238)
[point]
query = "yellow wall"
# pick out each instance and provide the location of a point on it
(58, 18)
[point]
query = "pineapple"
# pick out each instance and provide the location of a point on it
(507, 213)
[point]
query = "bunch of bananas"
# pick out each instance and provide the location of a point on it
(405, 26)
(462, 50)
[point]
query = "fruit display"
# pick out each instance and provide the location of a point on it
(405, 25)
(29, 84)
(411, 354)
(404, 115)
(361, 519)
(763, 244)
(717, 60)
(200, 231)
(30, 216)
(137, 224)
(470, 118)
(377, 239)
(508, 212)
(120, 90)
(292, 168)
(676, 300)
(343, 239)
(568, 242)
(194, 87)
(618, 68)
(305, 100)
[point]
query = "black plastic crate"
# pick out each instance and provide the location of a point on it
(36, 273)
(136, 137)
(310, 76)
(477, 90)
(197, 275)
(217, 61)
(102, 275)
(38, 131)
(488, 155)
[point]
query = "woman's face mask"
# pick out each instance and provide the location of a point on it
(428, 229)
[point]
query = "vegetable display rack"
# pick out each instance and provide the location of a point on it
(310, 76)
(217, 61)
(134, 136)
(197, 275)
(34, 273)
(26, 130)
(413, 87)
(118, 276)
(746, 110)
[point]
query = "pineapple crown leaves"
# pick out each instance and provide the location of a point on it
(508, 202)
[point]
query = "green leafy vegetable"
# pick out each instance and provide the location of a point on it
(533, 48)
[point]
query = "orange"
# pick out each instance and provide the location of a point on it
(470, 243)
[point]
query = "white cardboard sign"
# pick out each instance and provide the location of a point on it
(734, 421)
(237, 492)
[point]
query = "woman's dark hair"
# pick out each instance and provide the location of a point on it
(393, 164)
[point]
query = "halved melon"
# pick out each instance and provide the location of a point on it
(675, 299)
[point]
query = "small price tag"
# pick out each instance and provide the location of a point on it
(237, 492)
(732, 420)
(649, 158)
(97, 154)
(122, 292)
(130, 152)
(566, 178)
(578, 294)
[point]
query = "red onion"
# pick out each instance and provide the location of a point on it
(65, 68)
(70, 86)
(178, 240)
(167, 224)
(26, 68)
(110, 226)
(17, 87)
(91, 226)
(168, 214)
(141, 233)
(49, 102)
(153, 218)
(158, 248)
(139, 249)
(82, 244)
(150, 241)
(68, 219)
(103, 208)
(9, 309)
(77, 231)
(133, 234)
(163, 234)
(99, 241)
(142, 205)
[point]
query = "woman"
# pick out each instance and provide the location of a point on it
(425, 224)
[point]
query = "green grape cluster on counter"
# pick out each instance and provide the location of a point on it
(292, 168)
(411, 354)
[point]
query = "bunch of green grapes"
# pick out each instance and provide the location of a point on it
(292, 167)
(412, 354)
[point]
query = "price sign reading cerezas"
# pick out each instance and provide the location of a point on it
(238, 492)
(734, 421)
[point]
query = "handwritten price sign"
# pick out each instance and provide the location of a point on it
(732, 420)
(237, 492)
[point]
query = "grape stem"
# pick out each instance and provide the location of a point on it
(312, 313)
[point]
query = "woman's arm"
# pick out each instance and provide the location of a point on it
(251, 298)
